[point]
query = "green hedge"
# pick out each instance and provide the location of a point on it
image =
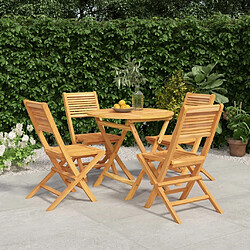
(41, 58)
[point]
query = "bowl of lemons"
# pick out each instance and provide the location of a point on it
(122, 107)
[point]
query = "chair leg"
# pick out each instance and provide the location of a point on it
(183, 171)
(36, 189)
(194, 171)
(211, 198)
(151, 197)
(87, 191)
(59, 165)
(169, 206)
(62, 196)
(207, 174)
(81, 168)
(135, 186)
(72, 185)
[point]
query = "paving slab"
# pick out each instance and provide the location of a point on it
(113, 223)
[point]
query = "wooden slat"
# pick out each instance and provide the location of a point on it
(198, 135)
(119, 178)
(154, 157)
(79, 104)
(45, 129)
(182, 179)
(63, 173)
(190, 200)
(196, 122)
(176, 190)
(115, 125)
(50, 189)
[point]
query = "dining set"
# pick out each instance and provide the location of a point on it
(196, 126)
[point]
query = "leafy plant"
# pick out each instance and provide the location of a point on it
(207, 83)
(172, 94)
(238, 122)
(129, 75)
(43, 57)
(16, 147)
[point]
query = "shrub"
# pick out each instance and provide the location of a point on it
(41, 58)
(173, 93)
(16, 147)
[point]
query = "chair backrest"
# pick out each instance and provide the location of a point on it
(195, 99)
(43, 121)
(76, 105)
(195, 122)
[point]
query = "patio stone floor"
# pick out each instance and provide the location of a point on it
(113, 223)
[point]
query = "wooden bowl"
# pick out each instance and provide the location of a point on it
(123, 110)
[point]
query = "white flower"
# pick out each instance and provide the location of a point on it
(2, 149)
(7, 164)
(19, 126)
(28, 160)
(1, 135)
(5, 141)
(19, 132)
(32, 141)
(11, 144)
(30, 128)
(19, 129)
(25, 138)
(22, 144)
(12, 135)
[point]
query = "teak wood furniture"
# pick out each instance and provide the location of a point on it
(62, 156)
(145, 115)
(77, 105)
(193, 122)
(191, 99)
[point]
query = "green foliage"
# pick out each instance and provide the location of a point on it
(31, 8)
(173, 93)
(238, 122)
(16, 147)
(129, 75)
(114, 9)
(207, 83)
(41, 58)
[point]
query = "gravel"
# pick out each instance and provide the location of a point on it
(42, 162)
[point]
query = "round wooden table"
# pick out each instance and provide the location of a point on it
(145, 115)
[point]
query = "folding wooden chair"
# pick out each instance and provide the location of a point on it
(193, 122)
(191, 99)
(62, 156)
(76, 106)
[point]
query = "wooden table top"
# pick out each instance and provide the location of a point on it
(145, 114)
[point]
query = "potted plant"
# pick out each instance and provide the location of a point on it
(129, 75)
(238, 123)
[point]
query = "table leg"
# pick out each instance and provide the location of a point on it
(113, 156)
(111, 148)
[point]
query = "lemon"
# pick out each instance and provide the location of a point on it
(127, 106)
(122, 102)
(124, 106)
(116, 106)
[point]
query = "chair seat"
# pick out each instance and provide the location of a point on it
(95, 138)
(180, 158)
(76, 150)
(167, 139)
